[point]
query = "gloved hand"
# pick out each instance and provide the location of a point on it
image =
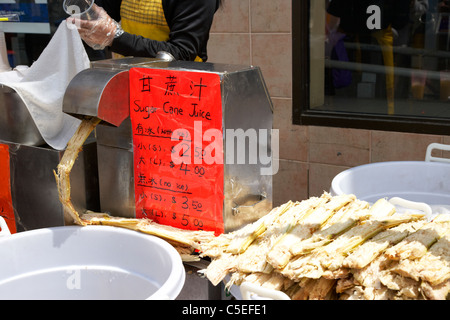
(98, 33)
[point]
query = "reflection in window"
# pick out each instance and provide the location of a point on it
(380, 57)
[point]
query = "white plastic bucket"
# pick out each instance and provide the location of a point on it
(92, 262)
(419, 181)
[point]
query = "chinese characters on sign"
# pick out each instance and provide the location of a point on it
(172, 115)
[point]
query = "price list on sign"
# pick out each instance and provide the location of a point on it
(176, 119)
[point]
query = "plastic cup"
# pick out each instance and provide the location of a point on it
(81, 9)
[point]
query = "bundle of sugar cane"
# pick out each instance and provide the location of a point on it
(369, 250)
(426, 277)
(417, 244)
(254, 259)
(331, 255)
(247, 239)
(328, 261)
(380, 279)
(344, 219)
(280, 254)
(377, 282)
(433, 266)
(347, 261)
(225, 249)
(365, 283)
(243, 238)
(422, 258)
(277, 218)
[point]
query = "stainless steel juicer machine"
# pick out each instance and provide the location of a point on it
(103, 91)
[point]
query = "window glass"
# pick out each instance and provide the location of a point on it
(380, 57)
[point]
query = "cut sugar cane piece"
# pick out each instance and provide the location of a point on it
(190, 238)
(94, 218)
(381, 209)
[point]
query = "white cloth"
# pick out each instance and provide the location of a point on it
(4, 64)
(42, 86)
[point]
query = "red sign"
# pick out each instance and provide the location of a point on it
(6, 205)
(176, 119)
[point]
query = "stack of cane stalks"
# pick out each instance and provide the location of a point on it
(337, 248)
(320, 248)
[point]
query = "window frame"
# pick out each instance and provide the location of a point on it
(303, 115)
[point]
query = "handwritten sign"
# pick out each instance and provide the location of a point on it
(176, 119)
(6, 205)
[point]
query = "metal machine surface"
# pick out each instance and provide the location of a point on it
(16, 123)
(32, 187)
(34, 192)
(103, 91)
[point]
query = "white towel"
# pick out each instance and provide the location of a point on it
(4, 64)
(42, 86)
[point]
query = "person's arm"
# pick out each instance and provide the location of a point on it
(189, 22)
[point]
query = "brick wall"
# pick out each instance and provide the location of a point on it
(258, 32)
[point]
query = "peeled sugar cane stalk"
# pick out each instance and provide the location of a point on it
(330, 257)
(369, 250)
(246, 235)
(343, 220)
(62, 174)
(335, 253)
(417, 244)
(280, 254)
(254, 258)
(314, 264)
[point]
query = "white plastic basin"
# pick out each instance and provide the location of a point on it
(93, 262)
(419, 181)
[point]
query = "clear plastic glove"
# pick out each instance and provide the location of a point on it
(98, 33)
